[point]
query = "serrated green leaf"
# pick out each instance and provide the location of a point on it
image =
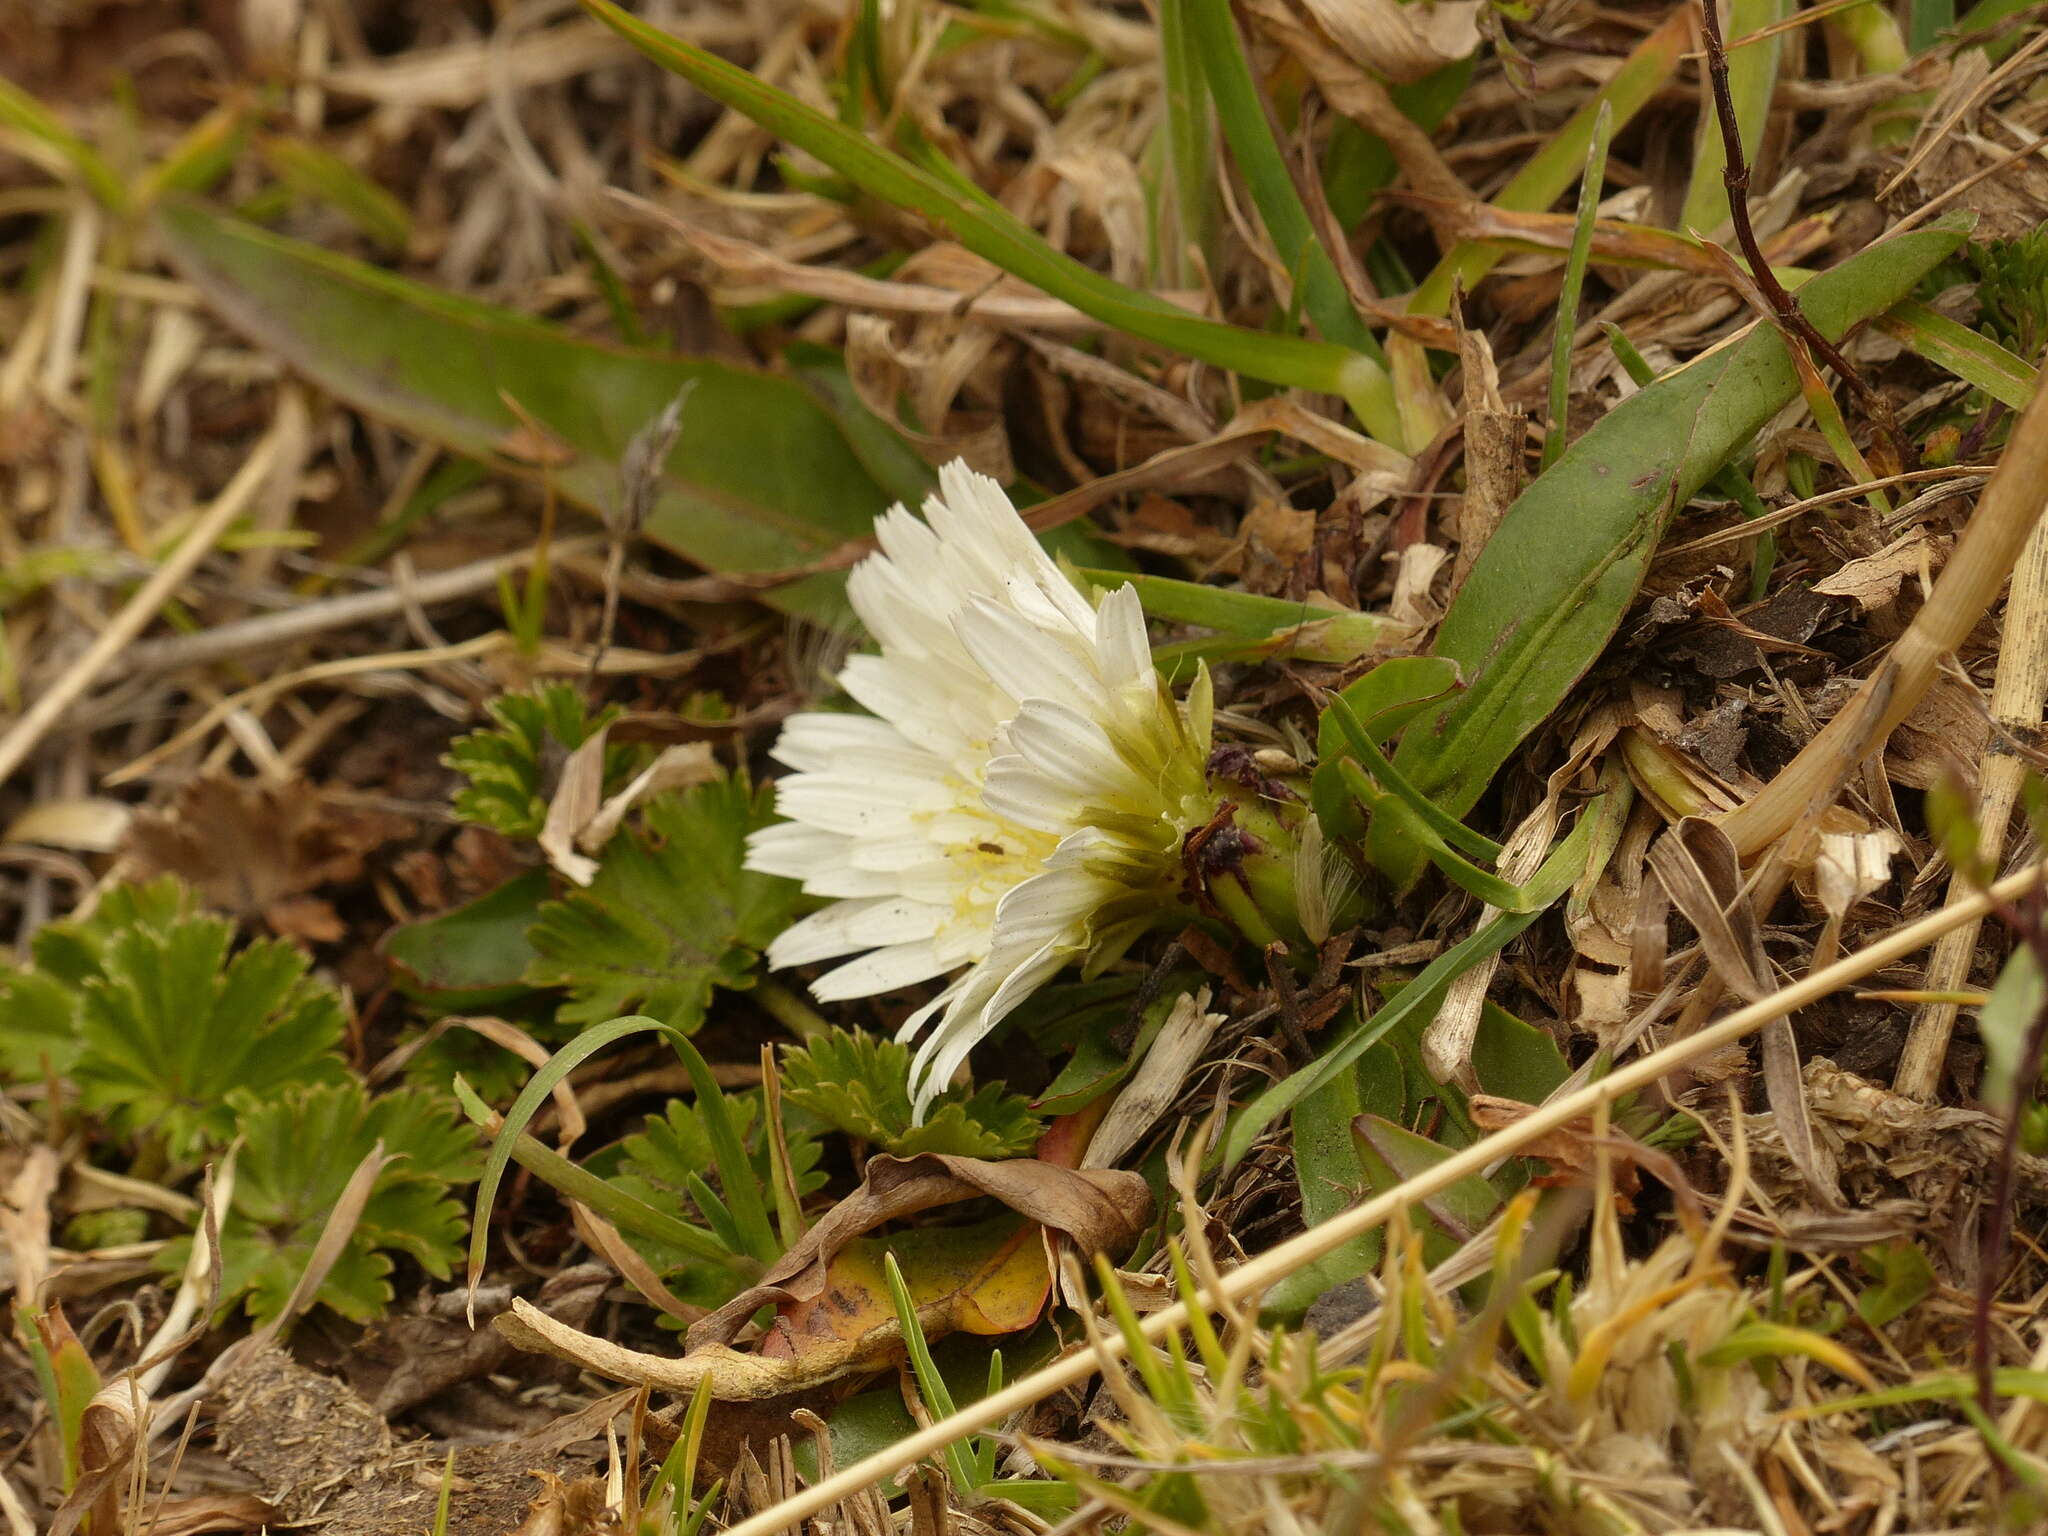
(508, 763)
(860, 1084)
(40, 1032)
(671, 914)
(299, 1151)
(674, 1146)
(174, 1026)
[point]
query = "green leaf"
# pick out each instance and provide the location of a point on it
(1903, 1279)
(1383, 701)
(671, 913)
(509, 763)
(174, 1026)
(1419, 998)
(298, 1153)
(1516, 1060)
(475, 955)
(1328, 1172)
(1464, 1208)
(318, 175)
(860, 1084)
(23, 114)
(1972, 357)
(1304, 630)
(41, 1032)
(1545, 174)
(984, 227)
(1212, 30)
(761, 479)
(659, 1162)
(626, 1208)
(2004, 1022)
(1550, 588)
(41, 1003)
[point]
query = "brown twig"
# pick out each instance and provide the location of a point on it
(1785, 310)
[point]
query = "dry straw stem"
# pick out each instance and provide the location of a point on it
(2005, 517)
(1257, 1276)
(35, 722)
(2017, 694)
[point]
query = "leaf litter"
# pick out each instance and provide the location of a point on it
(372, 701)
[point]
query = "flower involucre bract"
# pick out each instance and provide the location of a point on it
(1016, 799)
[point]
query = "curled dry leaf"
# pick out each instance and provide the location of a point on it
(833, 1315)
(1874, 581)
(1400, 42)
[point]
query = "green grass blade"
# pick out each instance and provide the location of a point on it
(995, 235)
(1213, 31)
(1575, 281)
(1189, 125)
(735, 1173)
(1551, 169)
(30, 118)
(1970, 356)
(622, 1210)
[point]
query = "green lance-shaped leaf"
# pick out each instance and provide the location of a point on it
(996, 235)
(1551, 586)
(761, 477)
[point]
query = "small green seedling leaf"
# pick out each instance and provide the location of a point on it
(510, 762)
(860, 1084)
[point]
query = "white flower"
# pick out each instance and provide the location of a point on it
(1015, 801)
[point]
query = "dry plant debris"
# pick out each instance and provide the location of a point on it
(1543, 504)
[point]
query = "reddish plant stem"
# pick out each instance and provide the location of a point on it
(1785, 310)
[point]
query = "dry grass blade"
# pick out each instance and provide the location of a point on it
(2017, 696)
(1259, 1275)
(35, 723)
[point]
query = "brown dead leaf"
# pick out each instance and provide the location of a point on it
(566, 1507)
(1700, 870)
(1573, 1152)
(1874, 581)
(1100, 1209)
(1400, 42)
(261, 850)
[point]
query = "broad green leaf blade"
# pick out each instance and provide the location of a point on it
(761, 478)
(1551, 586)
(985, 228)
(474, 955)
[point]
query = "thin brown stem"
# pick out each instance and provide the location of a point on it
(1785, 310)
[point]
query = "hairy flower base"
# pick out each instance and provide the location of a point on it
(1017, 798)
